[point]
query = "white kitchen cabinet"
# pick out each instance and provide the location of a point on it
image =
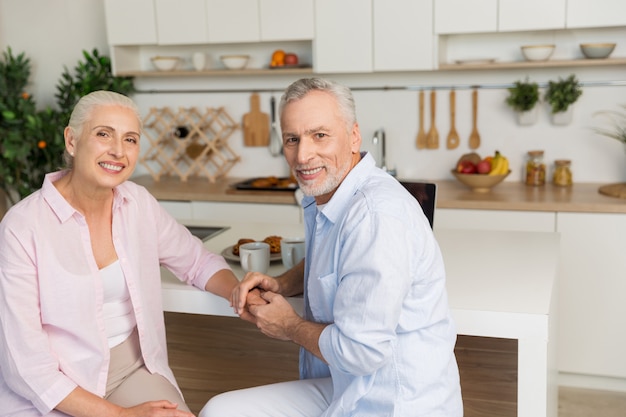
(465, 16)
(286, 20)
(403, 35)
(592, 311)
(130, 22)
(503, 220)
(515, 15)
(232, 21)
(180, 210)
(595, 13)
(343, 36)
(181, 22)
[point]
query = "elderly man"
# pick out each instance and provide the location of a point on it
(376, 337)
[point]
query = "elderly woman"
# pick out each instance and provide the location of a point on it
(81, 322)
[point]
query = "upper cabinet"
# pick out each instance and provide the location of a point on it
(286, 20)
(343, 36)
(130, 22)
(595, 13)
(515, 15)
(403, 35)
(384, 35)
(465, 16)
(172, 22)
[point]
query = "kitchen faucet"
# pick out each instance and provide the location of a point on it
(380, 142)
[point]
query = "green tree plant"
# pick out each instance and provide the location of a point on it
(618, 120)
(523, 96)
(563, 93)
(31, 140)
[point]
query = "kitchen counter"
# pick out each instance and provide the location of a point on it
(493, 292)
(583, 197)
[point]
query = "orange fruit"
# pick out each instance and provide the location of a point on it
(278, 58)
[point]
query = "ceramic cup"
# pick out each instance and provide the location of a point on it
(199, 61)
(292, 251)
(255, 257)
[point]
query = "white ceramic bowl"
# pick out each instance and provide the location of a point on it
(597, 50)
(235, 61)
(537, 52)
(165, 63)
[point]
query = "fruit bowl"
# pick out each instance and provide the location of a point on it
(480, 183)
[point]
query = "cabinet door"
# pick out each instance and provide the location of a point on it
(208, 211)
(343, 36)
(286, 20)
(181, 22)
(592, 288)
(233, 20)
(466, 16)
(130, 22)
(515, 15)
(403, 35)
(595, 13)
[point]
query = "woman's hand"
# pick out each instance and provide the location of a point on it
(241, 293)
(161, 408)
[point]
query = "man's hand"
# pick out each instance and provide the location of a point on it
(275, 318)
(251, 281)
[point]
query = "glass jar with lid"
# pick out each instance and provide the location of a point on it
(535, 168)
(562, 175)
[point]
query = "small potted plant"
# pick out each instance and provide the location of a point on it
(618, 120)
(561, 95)
(523, 98)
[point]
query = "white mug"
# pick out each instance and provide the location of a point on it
(292, 250)
(199, 61)
(255, 257)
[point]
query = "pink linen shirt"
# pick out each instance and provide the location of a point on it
(52, 332)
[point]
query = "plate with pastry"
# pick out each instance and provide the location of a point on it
(231, 253)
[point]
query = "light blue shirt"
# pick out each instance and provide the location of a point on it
(374, 271)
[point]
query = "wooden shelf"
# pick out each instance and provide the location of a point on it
(533, 64)
(214, 73)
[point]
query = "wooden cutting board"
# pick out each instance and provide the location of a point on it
(256, 124)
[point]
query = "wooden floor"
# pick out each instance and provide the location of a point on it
(211, 354)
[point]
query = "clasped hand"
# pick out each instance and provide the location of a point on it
(257, 299)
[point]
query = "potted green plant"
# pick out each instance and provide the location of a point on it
(31, 140)
(618, 120)
(561, 95)
(523, 98)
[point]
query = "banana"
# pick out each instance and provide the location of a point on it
(499, 165)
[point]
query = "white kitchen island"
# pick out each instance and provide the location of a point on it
(500, 285)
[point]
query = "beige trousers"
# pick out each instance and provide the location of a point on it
(129, 382)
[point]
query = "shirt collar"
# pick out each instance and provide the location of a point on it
(59, 205)
(341, 199)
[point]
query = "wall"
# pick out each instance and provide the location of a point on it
(32, 26)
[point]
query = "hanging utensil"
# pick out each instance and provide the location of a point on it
(453, 139)
(276, 143)
(421, 133)
(474, 139)
(433, 135)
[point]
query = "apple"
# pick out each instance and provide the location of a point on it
(466, 167)
(483, 167)
(291, 59)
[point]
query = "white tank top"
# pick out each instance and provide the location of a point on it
(119, 319)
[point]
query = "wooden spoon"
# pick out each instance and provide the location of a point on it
(433, 135)
(453, 137)
(474, 139)
(421, 133)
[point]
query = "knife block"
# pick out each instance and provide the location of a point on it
(189, 143)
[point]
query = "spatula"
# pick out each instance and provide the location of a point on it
(474, 139)
(433, 135)
(276, 143)
(421, 133)
(453, 137)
